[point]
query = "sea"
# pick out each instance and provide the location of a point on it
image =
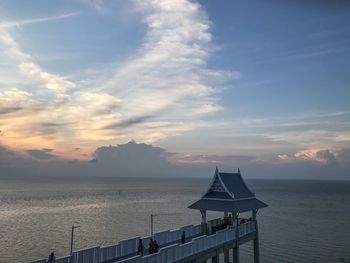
(306, 221)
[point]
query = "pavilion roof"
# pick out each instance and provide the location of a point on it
(228, 192)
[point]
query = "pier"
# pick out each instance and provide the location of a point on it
(199, 243)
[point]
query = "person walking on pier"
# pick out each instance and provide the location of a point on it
(52, 258)
(140, 248)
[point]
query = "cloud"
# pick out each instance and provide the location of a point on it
(164, 89)
(143, 160)
(322, 138)
(24, 61)
(8, 110)
(124, 160)
(6, 156)
(210, 160)
(9, 24)
(321, 156)
(43, 154)
(132, 159)
(129, 122)
(52, 82)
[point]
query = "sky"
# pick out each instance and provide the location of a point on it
(175, 87)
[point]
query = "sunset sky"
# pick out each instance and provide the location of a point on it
(205, 82)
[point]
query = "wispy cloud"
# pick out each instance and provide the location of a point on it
(313, 138)
(164, 89)
(25, 64)
(9, 24)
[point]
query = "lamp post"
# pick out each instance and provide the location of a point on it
(152, 215)
(71, 239)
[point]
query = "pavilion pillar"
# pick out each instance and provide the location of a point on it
(204, 222)
(236, 249)
(256, 240)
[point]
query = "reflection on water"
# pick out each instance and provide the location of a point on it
(305, 222)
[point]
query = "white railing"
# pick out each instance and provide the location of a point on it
(177, 252)
(126, 247)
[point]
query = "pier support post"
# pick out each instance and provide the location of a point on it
(235, 251)
(256, 240)
(235, 255)
(227, 255)
(215, 259)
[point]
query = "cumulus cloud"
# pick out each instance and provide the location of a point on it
(321, 156)
(133, 159)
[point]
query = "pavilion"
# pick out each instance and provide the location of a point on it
(229, 193)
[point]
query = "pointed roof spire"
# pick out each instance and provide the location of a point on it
(228, 192)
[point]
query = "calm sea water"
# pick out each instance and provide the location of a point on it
(306, 221)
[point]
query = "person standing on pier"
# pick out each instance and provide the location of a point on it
(156, 247)
(52, 258)
(151, 246)
(183, 237)
(140, 248)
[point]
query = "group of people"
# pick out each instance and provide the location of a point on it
(153, 247)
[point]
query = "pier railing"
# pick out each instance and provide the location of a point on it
(178, 252)
(126, 250)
